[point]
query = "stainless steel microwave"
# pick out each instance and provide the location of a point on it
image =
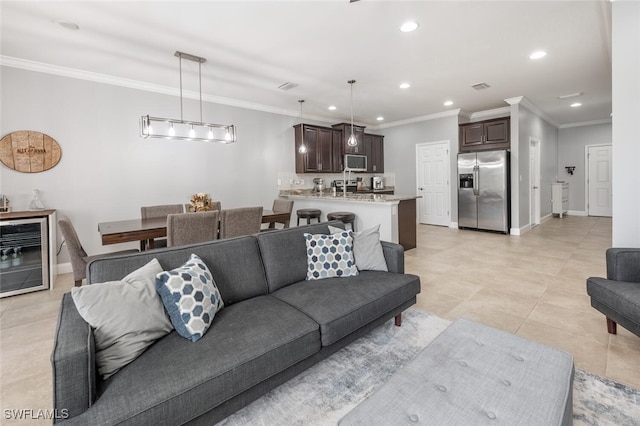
(355, 163)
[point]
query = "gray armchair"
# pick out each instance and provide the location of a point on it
(77, 254)
(191, 228)
(618, 296)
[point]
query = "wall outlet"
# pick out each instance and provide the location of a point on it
(279, 182)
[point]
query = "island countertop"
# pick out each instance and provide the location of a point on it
(395, 214)
(350, 196)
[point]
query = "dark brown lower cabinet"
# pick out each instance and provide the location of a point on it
(407, 224)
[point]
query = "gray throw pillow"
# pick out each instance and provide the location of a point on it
(367, 249)
(126, 316)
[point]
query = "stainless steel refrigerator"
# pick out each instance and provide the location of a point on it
(483, 190)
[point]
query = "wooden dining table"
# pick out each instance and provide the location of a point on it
(146, 230)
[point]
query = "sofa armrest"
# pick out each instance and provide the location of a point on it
(72, 362)
(623, 264)
(394, 255)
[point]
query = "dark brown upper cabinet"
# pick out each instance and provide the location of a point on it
(481, 135)
(374, 150)
(319, 143)
(358, 131)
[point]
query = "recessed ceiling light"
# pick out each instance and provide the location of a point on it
(404, 85)
(576, 105)
(448, 103)
(380, 118)
(538, 54)
(332, 108)
(69, 25)
(409, 26)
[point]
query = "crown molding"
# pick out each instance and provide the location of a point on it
(521, 100)
(453, 112)
(586, 123)
(28, 65)
(490, 113)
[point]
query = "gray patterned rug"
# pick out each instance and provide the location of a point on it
(330, 389)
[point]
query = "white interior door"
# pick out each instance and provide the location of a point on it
(599, 180)
(433, 183)
(534, 182)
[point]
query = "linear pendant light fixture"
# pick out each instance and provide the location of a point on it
(168, 128)
(303, 148)
(352, 141)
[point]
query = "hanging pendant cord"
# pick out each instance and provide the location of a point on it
(200, 78)
(181, 115)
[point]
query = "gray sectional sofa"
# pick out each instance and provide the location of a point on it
(274, 325)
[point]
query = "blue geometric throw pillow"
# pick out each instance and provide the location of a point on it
(330, 255)
(190, 297)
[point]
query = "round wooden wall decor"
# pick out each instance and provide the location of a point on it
(29, 151)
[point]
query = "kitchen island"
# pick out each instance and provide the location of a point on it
(396, 214)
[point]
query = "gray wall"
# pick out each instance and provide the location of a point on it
(400, 152)
(625, 43)
(571, 152)
(529, 125)
(107, 171)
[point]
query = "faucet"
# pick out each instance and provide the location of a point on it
(344, 180)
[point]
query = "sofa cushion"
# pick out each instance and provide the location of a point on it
(236, 280)
(343, 305)
(618, 299)
(190, 296)
(126, 316)
(367, 249)
(330, 255)
(284, 253)
(175, 381)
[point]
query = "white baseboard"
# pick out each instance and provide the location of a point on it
(546, 218)
(576, 213)
(453, 225)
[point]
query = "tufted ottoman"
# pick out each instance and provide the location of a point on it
(472, 374)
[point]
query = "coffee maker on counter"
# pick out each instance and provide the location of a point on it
(377, 182)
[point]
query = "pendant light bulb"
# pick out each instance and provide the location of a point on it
(352, 141)
(303, 148)
(172, 131)
(192, 133)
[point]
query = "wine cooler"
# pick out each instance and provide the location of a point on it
(24, 255)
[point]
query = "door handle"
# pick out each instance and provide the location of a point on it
(476, 190)
(421, 189)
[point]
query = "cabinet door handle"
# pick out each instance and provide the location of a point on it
(320, 166)
(374, 167)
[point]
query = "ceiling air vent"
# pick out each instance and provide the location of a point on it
(287, 86)
(480, 86)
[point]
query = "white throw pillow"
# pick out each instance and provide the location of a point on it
(367, 249)
(126, 316)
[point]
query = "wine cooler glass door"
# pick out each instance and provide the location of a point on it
(23, 256)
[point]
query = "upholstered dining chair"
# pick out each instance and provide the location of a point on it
(148, 212)
(282, 206)
(77, 254)
(191, 228)
(241, 221)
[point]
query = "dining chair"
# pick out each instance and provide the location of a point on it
(77, 254)
(148, 212)
(191, 228)
(216, 205)
(282, 206)
(241, 221)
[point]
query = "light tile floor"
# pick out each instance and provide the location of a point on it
(532, 285)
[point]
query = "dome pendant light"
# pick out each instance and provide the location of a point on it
(303, 148)
(352, 141)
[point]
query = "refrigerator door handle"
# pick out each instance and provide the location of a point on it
(476, 189)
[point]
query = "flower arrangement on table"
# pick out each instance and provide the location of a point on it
(200, 202)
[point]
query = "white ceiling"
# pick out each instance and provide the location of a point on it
(254, 47)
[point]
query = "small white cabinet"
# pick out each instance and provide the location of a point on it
(559, 198)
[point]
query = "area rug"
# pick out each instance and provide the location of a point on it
(323, 394)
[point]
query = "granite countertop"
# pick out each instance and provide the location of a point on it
(339, 196)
